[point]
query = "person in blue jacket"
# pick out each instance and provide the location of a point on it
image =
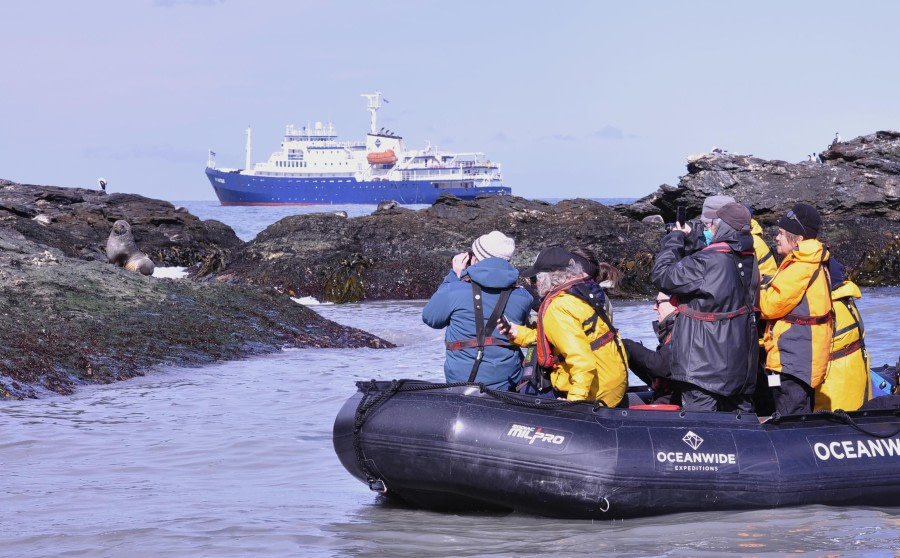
(481, 277)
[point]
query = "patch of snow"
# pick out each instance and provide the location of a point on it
(170, 272)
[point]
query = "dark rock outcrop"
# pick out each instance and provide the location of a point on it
(396, 253)
(856, 188)
(66, 321)
(77, 222)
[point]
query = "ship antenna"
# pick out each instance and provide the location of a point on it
(374, 105)
(248, 150)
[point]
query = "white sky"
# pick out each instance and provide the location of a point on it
(575, 99)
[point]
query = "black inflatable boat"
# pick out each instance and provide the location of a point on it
(463, 447)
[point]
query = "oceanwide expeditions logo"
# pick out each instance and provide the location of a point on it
(536, 436)
(720, 457)
(829, 450)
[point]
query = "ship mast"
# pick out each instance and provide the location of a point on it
(374, 105)
(247, 166)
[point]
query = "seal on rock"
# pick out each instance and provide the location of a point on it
(123, 251)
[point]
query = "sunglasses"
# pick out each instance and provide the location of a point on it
(792, 215)
(660, 301)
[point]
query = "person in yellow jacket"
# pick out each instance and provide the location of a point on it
(587, 356)
(797, 303)
(764, 256)
(846, 384)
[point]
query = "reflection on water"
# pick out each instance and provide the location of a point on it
(236, 460)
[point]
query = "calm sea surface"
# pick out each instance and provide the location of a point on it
(236, 460)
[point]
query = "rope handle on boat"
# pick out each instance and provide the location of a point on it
(365, 406)
(841, 416)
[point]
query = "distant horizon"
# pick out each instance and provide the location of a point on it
(549, 200)
(585, 99)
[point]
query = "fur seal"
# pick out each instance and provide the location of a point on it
(123, 251)
(386, 205)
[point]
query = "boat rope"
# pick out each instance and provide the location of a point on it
(536, 403)
(841, 416)
(373, 397)
(365, 406)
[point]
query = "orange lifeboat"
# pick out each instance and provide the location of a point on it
(382, 158)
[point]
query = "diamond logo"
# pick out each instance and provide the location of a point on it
(377, 143)
(692, 440)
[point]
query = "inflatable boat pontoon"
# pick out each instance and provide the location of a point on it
(464, 447)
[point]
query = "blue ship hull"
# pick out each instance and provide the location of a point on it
(233, 188)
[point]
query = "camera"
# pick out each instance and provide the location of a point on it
(680, 219)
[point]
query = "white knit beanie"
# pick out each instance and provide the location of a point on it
(495, 244)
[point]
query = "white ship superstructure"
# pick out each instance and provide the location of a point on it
(311, 157)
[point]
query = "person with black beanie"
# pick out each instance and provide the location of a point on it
(797, 305)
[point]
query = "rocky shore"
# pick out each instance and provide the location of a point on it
(69, 317)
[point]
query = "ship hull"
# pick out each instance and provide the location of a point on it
(234, 188)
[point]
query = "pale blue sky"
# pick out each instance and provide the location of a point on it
(575, 99)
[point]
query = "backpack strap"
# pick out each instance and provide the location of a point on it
(482, 332)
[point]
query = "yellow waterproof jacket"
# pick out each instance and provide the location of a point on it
(582, 373)
(846, 383)
(797, 303)
(764, 255)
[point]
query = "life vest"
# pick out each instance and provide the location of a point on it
(803, 319)
(858, 344)
(798, 335)
(545, 357)
(847, 382)
(539, 358)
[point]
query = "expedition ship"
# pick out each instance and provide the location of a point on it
(313, 167)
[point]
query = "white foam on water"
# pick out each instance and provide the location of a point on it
(309, 301)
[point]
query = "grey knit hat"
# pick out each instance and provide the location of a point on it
(711, 205)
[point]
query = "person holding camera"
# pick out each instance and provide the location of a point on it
(479, 289)
(714, 342)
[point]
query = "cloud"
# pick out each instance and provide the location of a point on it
(502, 138)
(611, 132)
(564, 137)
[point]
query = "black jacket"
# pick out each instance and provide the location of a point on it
(716, 353)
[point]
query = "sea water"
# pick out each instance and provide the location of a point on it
(236, 459)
